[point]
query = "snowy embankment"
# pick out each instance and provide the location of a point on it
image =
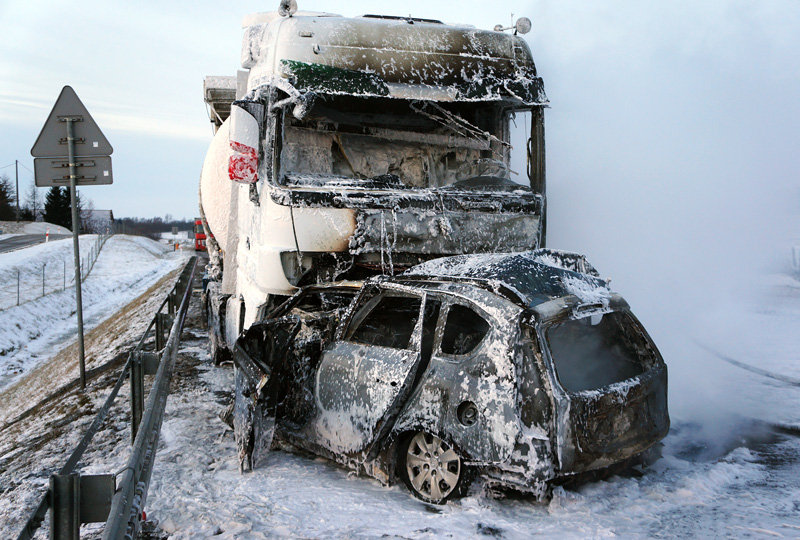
(32, 332)
(11, 228)
(53, 259)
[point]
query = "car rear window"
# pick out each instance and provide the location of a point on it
(463, 331)
(596, 351)
(390, 323)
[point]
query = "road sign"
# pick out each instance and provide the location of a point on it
(91, 171)
(89, 140)
(72, 151)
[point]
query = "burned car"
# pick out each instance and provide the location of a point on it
(521, 368)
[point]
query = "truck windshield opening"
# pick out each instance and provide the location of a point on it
(402, 143)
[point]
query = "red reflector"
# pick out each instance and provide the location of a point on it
(243, 164)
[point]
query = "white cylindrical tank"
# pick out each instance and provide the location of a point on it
(215, 186)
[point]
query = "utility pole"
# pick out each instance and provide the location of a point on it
(16, 174)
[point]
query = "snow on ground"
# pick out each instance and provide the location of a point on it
(727, 475)
(731, 476)
(54, 258)
(765, 335)
(11, 228)
(34, 446)
(29, 333)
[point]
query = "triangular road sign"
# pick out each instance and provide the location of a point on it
(52, 141)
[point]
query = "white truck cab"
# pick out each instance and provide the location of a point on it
(356, 146)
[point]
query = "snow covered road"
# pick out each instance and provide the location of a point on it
(723, 476)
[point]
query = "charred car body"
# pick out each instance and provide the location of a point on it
(363, 146)
(522, 368)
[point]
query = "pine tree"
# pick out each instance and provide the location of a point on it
(57, 207)
(7, 199)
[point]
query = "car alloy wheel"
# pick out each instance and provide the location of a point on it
(433, 468)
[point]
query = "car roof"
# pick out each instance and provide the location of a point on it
(527, 278)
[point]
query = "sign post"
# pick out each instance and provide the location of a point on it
(86, 157)
(76, 247)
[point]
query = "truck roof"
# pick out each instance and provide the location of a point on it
(390, 56)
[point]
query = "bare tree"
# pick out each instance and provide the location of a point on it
(88, 224)
(34, 202)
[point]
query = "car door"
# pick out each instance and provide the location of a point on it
(365, 375)
(467, 395)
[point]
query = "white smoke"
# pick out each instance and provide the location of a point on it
(673, 164)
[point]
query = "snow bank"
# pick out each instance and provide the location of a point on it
(31, 227)
(54, 258)
(30, 333)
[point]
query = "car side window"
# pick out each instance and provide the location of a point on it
(324, 300)
(390, 322)
(463, 331)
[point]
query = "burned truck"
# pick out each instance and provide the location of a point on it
(374, 199)
(352, 147)
(523, 369)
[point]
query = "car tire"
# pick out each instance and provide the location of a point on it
(432, 469)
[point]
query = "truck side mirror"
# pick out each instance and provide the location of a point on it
(243, 162)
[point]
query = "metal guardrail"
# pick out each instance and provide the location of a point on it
(73, 498)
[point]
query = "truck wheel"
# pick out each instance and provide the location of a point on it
(432, 469)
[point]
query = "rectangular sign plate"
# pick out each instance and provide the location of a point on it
(91, 171)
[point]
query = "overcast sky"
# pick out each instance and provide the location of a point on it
(672, 138)
(634, 88)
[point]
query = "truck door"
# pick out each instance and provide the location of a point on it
(365, 376)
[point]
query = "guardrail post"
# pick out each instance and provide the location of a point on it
(65, 502)
(159, 332)
(137, 393)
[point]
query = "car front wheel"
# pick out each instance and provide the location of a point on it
(431, 468)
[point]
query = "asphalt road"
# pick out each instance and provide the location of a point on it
(25, 240)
